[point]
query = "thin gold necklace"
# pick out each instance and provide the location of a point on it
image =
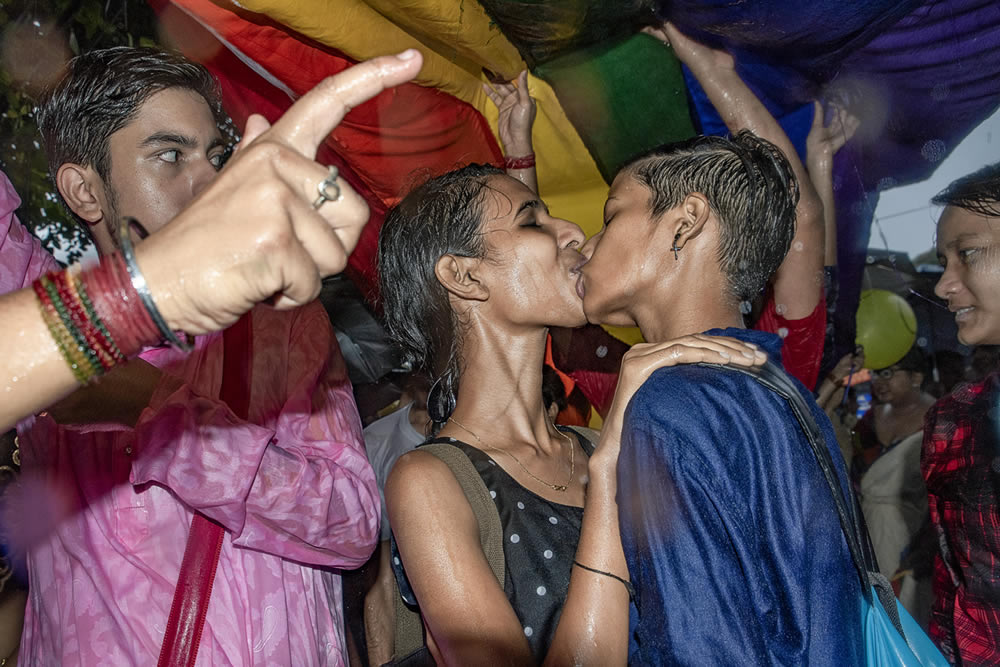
(554, 487)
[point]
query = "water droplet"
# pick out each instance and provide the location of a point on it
(933, 150)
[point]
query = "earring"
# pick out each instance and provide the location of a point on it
(674, 246)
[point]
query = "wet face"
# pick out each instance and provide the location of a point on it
(625, 256)
(968, 247)
(532, 259)
(160, 161)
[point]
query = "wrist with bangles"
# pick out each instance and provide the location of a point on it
(102, 316)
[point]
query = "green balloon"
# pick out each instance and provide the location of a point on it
(886, 327)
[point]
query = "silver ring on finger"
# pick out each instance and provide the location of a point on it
(328, 189)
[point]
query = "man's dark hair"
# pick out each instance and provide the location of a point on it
(441, 217)
(979, 192)
(102, 91)
(751, 189)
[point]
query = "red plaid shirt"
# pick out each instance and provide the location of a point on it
(961, 466)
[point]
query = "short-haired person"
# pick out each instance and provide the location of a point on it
(729, 529)
(473, 271)
(132, 132)
(962, 430)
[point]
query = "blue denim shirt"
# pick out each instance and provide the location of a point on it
(730, 533)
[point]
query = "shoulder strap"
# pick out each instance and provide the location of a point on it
(855, 533)
(775, 380)
(409, 627)
(586, 433)
(490, 528)
(204, 544)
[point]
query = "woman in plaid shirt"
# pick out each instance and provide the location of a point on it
(961, 450)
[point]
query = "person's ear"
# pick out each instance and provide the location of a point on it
(553, 411)
(458, 275)
(79, 187)
(689, 219)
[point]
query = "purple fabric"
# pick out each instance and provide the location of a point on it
(920, 76)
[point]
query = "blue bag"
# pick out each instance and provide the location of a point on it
(891, 636)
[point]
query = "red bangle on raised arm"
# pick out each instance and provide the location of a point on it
(524, 162)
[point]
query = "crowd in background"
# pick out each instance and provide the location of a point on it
(599, 546)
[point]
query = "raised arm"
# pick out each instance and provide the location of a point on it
(798, 283)
(822, 144)
(516, 110)
(264, 240)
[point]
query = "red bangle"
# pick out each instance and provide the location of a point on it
(524, 162)
(118, 305)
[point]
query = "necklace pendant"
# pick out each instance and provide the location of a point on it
(559, 487)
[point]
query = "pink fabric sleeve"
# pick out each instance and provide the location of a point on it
(301, 487)
(22, 258)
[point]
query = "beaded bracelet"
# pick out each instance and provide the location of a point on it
(523, 162)
(97, 318)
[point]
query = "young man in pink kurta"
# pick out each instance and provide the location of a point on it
(291, 484)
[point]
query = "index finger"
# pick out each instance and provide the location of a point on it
(307, 123)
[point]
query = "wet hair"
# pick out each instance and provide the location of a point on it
(441, 217)
(978, 192)
(553, 389)
(749, 185)
(101, 92)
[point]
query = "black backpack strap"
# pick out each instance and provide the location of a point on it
(775, 379)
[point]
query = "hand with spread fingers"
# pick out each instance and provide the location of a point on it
(825, 139)
(516, 114)
(274, 222)
(644, 358)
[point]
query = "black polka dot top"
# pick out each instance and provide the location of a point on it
(540, 539)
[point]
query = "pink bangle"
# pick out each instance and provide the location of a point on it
(524, 162)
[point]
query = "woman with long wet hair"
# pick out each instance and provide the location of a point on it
(473, 271)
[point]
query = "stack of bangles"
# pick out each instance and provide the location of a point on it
(101, 316)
